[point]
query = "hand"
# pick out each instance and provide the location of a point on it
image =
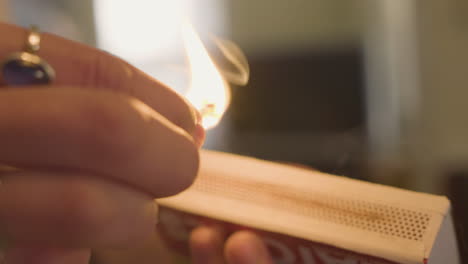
(208, 245)
(95, 148)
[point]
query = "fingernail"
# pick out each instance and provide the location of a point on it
(199, 135)
(257, 253)
(247, 248)
(206, 245)
(198, 116)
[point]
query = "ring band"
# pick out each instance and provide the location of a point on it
(26, 67)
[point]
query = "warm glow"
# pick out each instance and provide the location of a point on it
(208, 90)
(141, 32)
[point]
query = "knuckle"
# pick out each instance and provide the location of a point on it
(105, 70)
(93, 72)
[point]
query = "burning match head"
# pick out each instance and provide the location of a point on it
(209, 92)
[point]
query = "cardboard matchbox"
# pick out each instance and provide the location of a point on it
(310, 217)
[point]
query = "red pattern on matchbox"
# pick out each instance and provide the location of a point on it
(175, 227)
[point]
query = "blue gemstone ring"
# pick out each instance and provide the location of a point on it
(26, 67)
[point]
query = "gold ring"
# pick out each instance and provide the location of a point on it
(26, 67)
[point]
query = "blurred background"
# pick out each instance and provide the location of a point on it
(374, 90)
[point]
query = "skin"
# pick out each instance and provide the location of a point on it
(95, 148)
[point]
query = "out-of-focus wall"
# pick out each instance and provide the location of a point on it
(297, 49)
(68, 18)
(441, 139)
(3, 10)
(431, 129)
(82, 13)
(269, 26)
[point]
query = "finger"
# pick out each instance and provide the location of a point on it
(39, 255)
(109, 134)
(151, 252)
(244, 247)
(73, 210)
(79, 65)
(206, 245)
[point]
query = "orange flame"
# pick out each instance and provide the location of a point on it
(208, 90)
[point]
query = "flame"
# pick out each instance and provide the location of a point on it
(208, 90)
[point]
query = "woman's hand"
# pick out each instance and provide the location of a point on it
(208, 245)
(94, 149)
